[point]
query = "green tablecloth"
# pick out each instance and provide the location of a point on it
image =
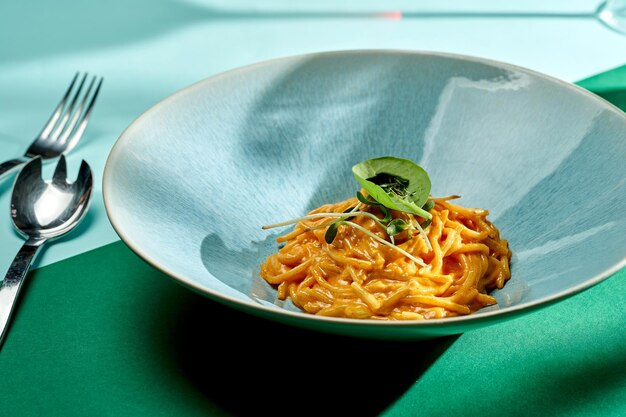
(104, 334)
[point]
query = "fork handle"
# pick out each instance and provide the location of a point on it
(13, 280)
(10, 165)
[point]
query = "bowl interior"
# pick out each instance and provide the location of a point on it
(190, 183)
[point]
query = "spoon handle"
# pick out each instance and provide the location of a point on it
(13, 280)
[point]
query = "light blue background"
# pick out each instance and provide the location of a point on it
(146, 50)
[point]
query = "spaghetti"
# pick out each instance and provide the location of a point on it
(447, 269)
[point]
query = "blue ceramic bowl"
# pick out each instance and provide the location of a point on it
(190, 183)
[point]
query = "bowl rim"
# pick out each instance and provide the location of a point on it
(245, 305)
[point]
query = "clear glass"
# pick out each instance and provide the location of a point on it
(612, 13)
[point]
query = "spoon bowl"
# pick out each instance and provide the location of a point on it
(47, 209)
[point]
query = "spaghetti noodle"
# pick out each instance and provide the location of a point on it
(446, 271)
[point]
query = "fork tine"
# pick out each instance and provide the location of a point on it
(68, 111)
(57, 112)
(77, 113)
(85, 119)
(60, 172)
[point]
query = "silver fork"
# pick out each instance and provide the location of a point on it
(64, 128)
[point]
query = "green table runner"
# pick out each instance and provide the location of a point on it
(104, 334)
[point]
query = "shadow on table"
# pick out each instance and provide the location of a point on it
(247, 365)
(616, 97)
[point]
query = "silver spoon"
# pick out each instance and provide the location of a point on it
(41, 211)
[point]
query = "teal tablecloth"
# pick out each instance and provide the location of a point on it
(104, 334)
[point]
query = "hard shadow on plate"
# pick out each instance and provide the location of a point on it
(250, 366)
(239, 268)
(351, 107)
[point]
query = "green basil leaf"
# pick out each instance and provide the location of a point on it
(396, 183)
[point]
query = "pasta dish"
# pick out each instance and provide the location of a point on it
(360, 259)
